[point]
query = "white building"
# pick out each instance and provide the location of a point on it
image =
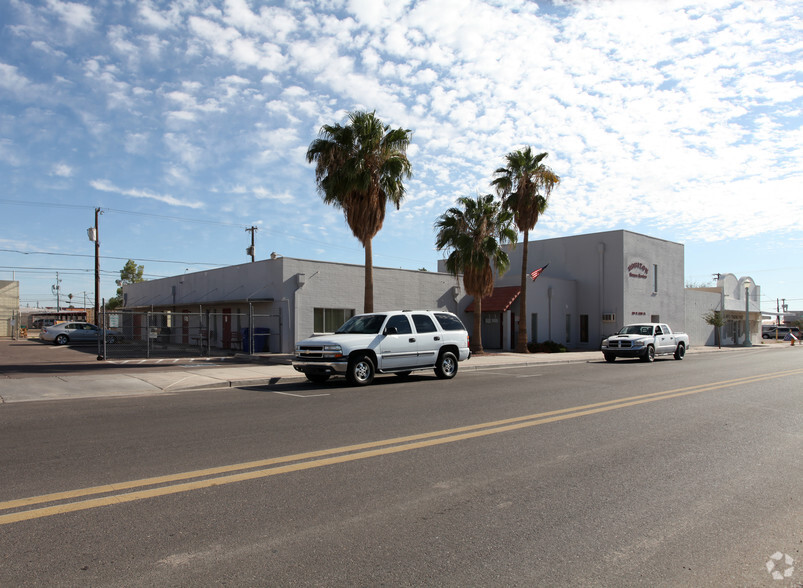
(593, 284)
(294, 298)
(740, 298)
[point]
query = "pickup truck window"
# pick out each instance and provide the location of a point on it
(368, 324)
(424, 324)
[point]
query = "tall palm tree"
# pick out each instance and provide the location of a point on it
(359, 167)
(525, 185)
(474, 232)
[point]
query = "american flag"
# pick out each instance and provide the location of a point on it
(537, 272)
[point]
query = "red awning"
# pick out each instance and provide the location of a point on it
(499, 301)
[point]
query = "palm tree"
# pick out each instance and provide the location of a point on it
(359, 167)
(475, 233)
(525, 185)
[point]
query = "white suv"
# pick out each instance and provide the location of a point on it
(398, 341)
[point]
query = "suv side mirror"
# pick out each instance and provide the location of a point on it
(390, 331)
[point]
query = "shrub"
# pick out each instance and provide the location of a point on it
(546, 347)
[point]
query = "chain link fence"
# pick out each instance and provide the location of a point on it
(188, 334)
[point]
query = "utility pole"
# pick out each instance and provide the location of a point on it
(94, 235)
(718, 276)
(250, 250)
(56, 290)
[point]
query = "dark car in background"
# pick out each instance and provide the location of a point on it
(773, 332)
(76, 332)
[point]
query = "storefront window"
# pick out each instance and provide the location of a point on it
(327, 320)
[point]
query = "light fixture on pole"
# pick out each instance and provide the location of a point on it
(747, 342)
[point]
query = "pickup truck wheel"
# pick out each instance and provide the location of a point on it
(680, 351)
(649, 355)
(610, 357)
(360, 371)
(446, 368)
(317, 378)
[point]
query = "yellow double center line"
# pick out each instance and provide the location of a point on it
(174, 484)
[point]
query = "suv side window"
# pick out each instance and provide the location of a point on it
(424, 324)
(449, 322)
(402, 324)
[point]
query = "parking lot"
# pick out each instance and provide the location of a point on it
(31, 357)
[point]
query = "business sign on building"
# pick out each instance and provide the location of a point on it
(638, 270)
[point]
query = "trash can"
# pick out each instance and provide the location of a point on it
(261, 341)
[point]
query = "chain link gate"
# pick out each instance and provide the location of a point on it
(166, 334)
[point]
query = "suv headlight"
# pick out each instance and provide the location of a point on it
(638, 343)
(333, 351)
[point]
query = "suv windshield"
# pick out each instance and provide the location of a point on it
(366, 324)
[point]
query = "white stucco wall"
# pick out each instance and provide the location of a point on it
(699, 302)
(292, 288)
(9, 306)
(653, 275)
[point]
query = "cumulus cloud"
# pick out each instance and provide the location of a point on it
(72, 14)
(645, 108)
(62, 170)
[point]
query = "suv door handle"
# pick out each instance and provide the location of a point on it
(412, 339)
(437, 338)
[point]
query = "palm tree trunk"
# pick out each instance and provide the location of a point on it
(521, 340)
(476, 337)
(368, 304)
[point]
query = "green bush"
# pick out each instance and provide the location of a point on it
(546, 347)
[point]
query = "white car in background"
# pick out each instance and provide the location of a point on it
(76, 332)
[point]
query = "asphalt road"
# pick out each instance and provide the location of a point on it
(626, 474)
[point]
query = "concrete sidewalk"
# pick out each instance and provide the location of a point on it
(260, 371)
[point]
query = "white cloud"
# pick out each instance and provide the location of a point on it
(62, 169)
(12, 81)
(107, 186)
(74, 15)
(264, 194)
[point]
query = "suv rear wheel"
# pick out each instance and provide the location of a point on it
(446, 368)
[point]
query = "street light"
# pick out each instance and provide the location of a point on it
(747, 342)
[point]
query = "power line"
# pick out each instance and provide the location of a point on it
(197, 220)
(110, 257)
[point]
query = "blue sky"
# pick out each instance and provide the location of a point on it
(188, 121)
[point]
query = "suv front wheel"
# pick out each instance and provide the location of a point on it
(360, 371)
(446, 368)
